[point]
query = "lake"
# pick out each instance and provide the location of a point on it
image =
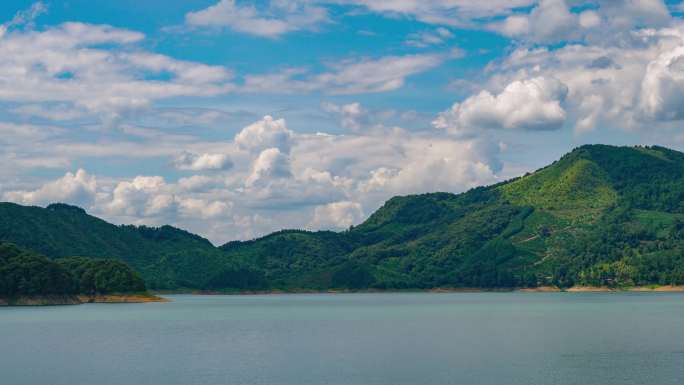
(351, 339)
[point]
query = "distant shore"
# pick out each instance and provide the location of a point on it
(155, 296)
(539, 289)
(122, 298)
(54, 300)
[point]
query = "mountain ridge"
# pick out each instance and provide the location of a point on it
(600, 215)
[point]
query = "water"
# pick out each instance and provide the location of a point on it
(351, 339)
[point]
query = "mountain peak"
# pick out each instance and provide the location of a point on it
(65, 208)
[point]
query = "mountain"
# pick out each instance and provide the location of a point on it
(600, 215)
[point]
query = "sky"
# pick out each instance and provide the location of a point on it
(233, 119)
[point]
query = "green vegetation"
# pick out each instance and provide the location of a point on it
(601, 215)
(102, 276)
(24, 273)
(166, 257)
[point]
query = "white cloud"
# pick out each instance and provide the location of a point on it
(337, 215)
(384, 74)
(351, 115)
(631, 86)
(589, 19)
(14, 133)
(59, 112)
(534, 104)
(199, 208)
(347, 77)
(628, 14)
(431, 164)
(200, 162)
(428, 38)
(152, 197)
(142, 196)
(446, 12)
(25, 18)
(552, 21)
(68, 65)
(279, 18)
(197, 183)
(265, 133)
(662, 89)
(79, 188)
(270, 164)
(514, 25)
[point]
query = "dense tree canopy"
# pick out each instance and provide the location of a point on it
(24, 273)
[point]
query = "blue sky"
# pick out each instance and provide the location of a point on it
(235, 118)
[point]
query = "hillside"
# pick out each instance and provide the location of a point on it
(600, 215)
(30, 278)
(167, 257)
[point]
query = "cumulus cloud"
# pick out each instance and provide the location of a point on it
(188, 161)
(431, 165)
(629, 14)
(142, 196)
(662, 89)
(151, 196)
(534, 104)
(200, 208)
(632, 86)
(278, 18)
(265, 133)
(550, 21)
(553, 21)
(270, 164)
(337, 215)
(77, 188)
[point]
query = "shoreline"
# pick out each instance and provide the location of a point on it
(540, 289)
(155, 295)
(64, 300)
(122, 298)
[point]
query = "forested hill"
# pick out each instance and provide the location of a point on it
(166, 257)
(25, 274)
(601, 215)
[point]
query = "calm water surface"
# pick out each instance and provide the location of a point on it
(351, 339)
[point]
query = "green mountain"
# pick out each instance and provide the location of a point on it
(601, 215)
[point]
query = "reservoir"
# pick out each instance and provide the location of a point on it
(351, 339)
